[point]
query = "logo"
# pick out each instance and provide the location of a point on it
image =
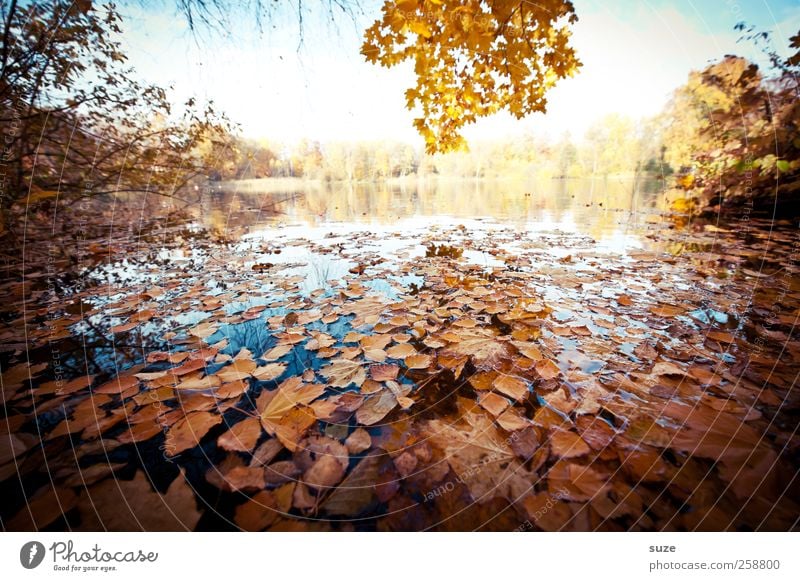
(31, 554)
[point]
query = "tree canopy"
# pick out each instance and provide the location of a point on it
(732, 130)
(473, 58)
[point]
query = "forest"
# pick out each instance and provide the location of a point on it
(202, 329)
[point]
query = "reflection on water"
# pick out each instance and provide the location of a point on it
(556, 284)
(613, 211)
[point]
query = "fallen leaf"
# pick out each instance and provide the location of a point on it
(242, 437)
(419, 361)
(568, 444)
(358, 441)
(188, 432)
(480, 456)
(343, 372)
(270, 371)
(511, 386)
(276, 352)
(384, 372)
(376, 408)
(132, 505)
(493, 403)
(259, 512)
(547, 369)
(401, 351)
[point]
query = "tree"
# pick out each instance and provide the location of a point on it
(733, 132)
(75, 122)
(473, 58)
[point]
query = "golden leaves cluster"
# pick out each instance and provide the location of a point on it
(473, 58)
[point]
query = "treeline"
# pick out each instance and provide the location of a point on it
(76, 122)
(615, 145)
(729, 137)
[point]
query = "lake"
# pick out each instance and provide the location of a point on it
(566, 355)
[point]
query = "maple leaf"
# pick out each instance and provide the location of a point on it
(486, 351)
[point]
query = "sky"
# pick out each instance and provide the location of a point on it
(634, 54)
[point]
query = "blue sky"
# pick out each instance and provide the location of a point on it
(634, 55)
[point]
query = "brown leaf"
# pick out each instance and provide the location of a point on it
(188, 432)
(124, 327)
(401, 351)
(276, 352)
(207, 382)
(326, 472)
(568, 444)
(242, 437)
(512, 420)
(419, 361)
(480, 455)
(204, 330)
(291, 427)
(358, 441)
(384, 372)
(41, 509)
(547, 369)
(405, 463)
(511, 386)
(117, 385)
(290, 393)
(244, 478)
(550, 513)
(270, 371)
(257, 513)
(375, 355)
(343, 372)
(666, 310)
(239, 368)
(133, 505)
(493, 403)
(356, 494)
(486, 351)
(376, 408)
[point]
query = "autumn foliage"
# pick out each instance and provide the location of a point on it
(473, 58)
(732, 133)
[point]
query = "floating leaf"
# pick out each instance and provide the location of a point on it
(547, 369)
(385, 372)
(418, 361)
(270, 372)
(188, 432)
(242, 437)
(568, 444)
(511, 386)
(343, 372)
(401, 351)
(376, 408)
